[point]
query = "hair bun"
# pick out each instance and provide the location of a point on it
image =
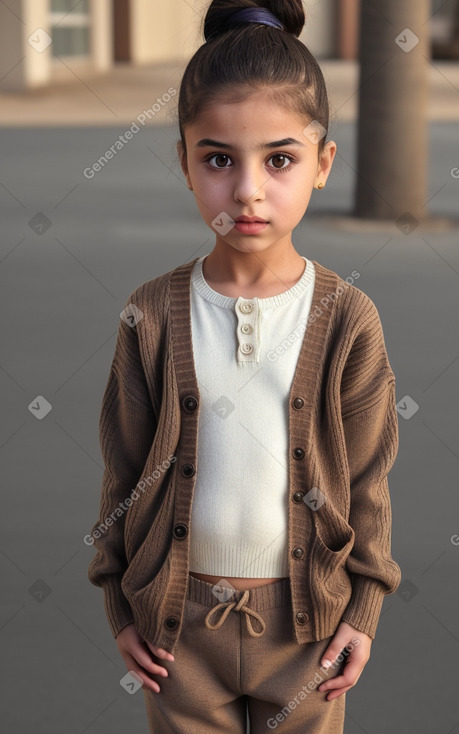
(289, 12)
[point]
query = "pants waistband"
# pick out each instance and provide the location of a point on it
(276, 594)
(225, 599)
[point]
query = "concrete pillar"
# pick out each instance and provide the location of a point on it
(101, 12)
(25, 51)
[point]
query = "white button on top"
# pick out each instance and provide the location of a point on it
(248, 314)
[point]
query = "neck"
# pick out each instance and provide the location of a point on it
(227, 266)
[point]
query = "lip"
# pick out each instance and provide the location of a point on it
(249, 227)
(250, 219)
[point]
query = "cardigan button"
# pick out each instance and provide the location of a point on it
(298, 552)
(180, 531)
(246, 307)
(298, 497)
(190, 403)
(302, 617)
(188, 470)
(298, 403)
(298, 453)
(171, 623)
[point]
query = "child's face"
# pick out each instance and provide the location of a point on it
(246, 180)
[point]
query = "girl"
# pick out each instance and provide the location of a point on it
(249, 422)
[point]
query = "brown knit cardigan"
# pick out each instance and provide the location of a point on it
(343, 440)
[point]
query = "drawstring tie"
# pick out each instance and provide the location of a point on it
(238, 607)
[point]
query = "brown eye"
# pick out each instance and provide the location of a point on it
(218, 160)
(283, 157)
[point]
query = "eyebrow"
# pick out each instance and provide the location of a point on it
(208, 142)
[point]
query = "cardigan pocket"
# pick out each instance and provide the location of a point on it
(149, 603)
(334, 541)
(332, 529)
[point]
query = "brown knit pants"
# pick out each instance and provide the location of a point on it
(244, 654)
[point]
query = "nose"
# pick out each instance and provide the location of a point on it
(250, 184)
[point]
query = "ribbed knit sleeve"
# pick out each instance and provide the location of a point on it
(371, 435)
(127, 429)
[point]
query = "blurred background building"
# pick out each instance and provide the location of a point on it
(92, 36)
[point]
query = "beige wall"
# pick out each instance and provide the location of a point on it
(164, 31)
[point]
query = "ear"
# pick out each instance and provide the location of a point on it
(183, 163)
(325, 162)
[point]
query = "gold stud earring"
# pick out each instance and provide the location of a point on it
(320, 186)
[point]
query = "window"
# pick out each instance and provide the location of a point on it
(70, 28)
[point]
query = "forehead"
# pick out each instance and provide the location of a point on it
(256, 119)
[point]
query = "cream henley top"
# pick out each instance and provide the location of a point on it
(245, 351)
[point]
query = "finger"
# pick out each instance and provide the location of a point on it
(349, 677)
(338, 693)
(160, 652)
(147, 681)
(330, 655)
(142, 656)
(335, 647)
(332, 683)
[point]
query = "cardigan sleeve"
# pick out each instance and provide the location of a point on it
(370, 426)
(127, 426)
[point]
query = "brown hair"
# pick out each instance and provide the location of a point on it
(237, 61)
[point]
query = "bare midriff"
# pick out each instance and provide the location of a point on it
(236, 582)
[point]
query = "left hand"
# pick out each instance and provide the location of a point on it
(354, 660)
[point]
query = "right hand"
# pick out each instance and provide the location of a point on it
(137, 654)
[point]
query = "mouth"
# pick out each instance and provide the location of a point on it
(250, 225)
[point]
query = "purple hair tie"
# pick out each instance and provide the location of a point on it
(254, 15)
